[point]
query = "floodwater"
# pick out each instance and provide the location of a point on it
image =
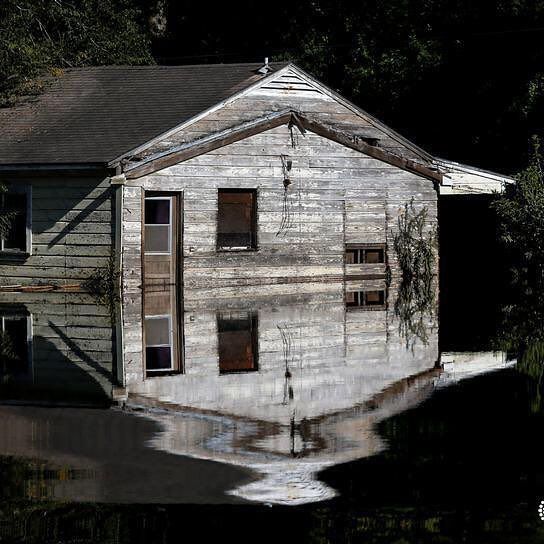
(294, 418)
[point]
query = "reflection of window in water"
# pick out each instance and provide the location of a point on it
(370, 300)
(237, 342)
(159, 344)
(15, 346)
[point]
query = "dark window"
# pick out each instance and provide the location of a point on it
(237, 219)
(158, 225)
(237, 342)
(369, 254)
(159, 343)
(14, 346)
(366, 299)
(14, 206)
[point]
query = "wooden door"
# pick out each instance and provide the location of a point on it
(162, 283)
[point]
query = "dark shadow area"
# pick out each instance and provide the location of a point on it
(473, 273)
(471, 474)
(82, 216)
(56, 378)
(111, 449)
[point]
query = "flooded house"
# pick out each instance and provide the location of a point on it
(209, 177)
(244, 218)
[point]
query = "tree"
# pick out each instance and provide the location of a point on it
(521, 213)
(39, 36)
(521, 218)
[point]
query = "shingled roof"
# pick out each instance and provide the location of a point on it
(93, 115)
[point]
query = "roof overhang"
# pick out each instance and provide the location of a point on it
(52, 169)
(461, 179)
(303, 122)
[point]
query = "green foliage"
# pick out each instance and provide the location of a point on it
(103, 285)
(415, 246)
(39, 37)
(521, 213)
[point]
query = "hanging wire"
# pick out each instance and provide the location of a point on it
(286, 215)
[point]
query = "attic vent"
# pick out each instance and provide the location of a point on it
(369, 140)
(265, 69)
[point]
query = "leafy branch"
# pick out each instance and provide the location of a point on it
(415, 245)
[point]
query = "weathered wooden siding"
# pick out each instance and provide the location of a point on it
(72, 346)
(337, 195)
(72, 231)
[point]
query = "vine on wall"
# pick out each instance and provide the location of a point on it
(416, 246)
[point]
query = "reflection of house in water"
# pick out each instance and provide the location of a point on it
(54, 348)
(284, 385)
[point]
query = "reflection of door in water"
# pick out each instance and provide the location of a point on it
(162, 218)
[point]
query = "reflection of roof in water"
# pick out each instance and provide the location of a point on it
(289, 457)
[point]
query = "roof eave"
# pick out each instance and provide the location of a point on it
(52, 168)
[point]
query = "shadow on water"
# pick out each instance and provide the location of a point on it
(471, 473)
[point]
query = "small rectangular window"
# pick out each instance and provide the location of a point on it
(237, 219)
(15, 347)
(237, 342)
(366, 299)
(15, 208)
(365, 254)
(158, 225)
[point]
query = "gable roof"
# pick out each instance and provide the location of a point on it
(302, 121)
(93, 115)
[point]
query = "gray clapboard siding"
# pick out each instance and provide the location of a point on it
(288, 92)
(72, 231)
(352, 199)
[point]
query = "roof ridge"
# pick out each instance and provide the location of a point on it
(168, 66)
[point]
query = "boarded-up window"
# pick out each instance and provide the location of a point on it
(158, 225)
(15, 347)
(15, 208)
(370, 300)
(237, 219)
(237, 342)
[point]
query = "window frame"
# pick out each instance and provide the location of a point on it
(362, 249)
(360, 294)
(159, 371)
(254, 222)
(27, 252)
(174, 310)
(170, 199)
